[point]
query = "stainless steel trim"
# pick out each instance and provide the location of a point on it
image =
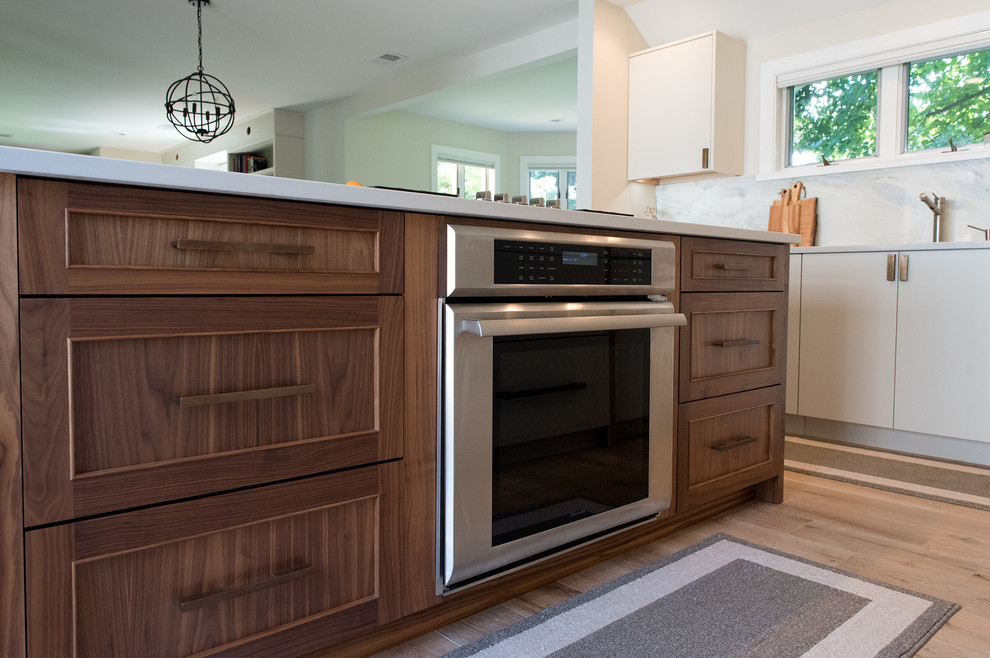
(466, 475)
(573, 324)
(471, 263)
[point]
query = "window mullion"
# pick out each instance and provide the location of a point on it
(891, 113)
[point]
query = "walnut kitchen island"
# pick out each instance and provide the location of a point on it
(218, 406)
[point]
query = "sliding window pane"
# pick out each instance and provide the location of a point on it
(835, 119)
(948, 99)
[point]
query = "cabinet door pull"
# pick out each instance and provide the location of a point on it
(242, 396)
(704, 158)
(254, 247)
(903, 269)
(891, 266)
(732, 268)
(736, 343)
(276, 578)
(734, 443)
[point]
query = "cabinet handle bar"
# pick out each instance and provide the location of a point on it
(733, 268)
(242, 396)
(736, 343)
(254, 247)
(734, 443)
(891, 266)
(277, 578)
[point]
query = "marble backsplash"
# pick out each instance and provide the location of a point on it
(854, 208)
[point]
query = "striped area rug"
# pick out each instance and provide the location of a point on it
(726, 597)
(950, 482)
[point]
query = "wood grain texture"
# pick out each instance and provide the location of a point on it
(713, 265)
(124, 575)
(123, 365)
(11, 538)
(79, 238)
(705, 472)
(409, 571)
(732, 342)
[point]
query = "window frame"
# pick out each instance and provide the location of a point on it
(888, 53)
(560, 163)
(465, 157)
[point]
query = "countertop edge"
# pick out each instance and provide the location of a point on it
(88, 168)
(932, 246)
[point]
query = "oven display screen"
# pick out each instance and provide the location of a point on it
(578, 258)
(542, 263)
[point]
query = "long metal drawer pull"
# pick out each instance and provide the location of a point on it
(891, 267)
(736, 343)
(546, 390)
(242, 396)
(524, 326)
(733, 268)
(277, 578)
(734, 443)
(254, 247)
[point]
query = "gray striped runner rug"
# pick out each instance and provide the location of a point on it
(726, 597)
(949, 482)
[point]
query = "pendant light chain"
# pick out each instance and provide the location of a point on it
(199, 36)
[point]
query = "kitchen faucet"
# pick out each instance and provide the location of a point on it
(938, 208)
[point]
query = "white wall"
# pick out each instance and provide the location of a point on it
(607, 36)
(877, 207)
(393, 149)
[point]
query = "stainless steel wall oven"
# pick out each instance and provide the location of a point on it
(557, 393)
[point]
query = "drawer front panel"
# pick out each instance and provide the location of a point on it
(144, 401)
(732, 342)
(730, 443)
(176, 585)
(80, 238)
(712, 265)
(145, 241)
(138, 401)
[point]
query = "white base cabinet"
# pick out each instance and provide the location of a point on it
(911, 354)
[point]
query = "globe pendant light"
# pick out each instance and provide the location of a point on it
(199, 105)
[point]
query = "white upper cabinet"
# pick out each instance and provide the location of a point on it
(686, 108)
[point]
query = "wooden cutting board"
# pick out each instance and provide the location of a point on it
(792, 214)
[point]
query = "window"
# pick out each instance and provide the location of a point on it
(462, 172)
(948, 101)
(551, 178)
(912, 97)
(835, 119)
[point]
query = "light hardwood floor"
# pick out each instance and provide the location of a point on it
(930, 547)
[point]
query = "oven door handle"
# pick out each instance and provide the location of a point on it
(570, 324)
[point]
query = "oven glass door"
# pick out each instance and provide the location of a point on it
(557, 424)
(570, 428)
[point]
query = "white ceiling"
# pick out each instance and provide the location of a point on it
(78, 74)
(75, 74)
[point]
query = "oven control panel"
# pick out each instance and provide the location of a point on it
(483, 261)
(538, 263)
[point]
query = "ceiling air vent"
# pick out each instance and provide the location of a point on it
(387, 58)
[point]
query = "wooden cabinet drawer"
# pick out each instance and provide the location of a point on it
(729, 443)
(129, 402)
(78, 238)
(732, 342)
(713, 265)
(290, 566)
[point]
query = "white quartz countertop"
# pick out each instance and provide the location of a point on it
(922, 246)
(47, 164)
